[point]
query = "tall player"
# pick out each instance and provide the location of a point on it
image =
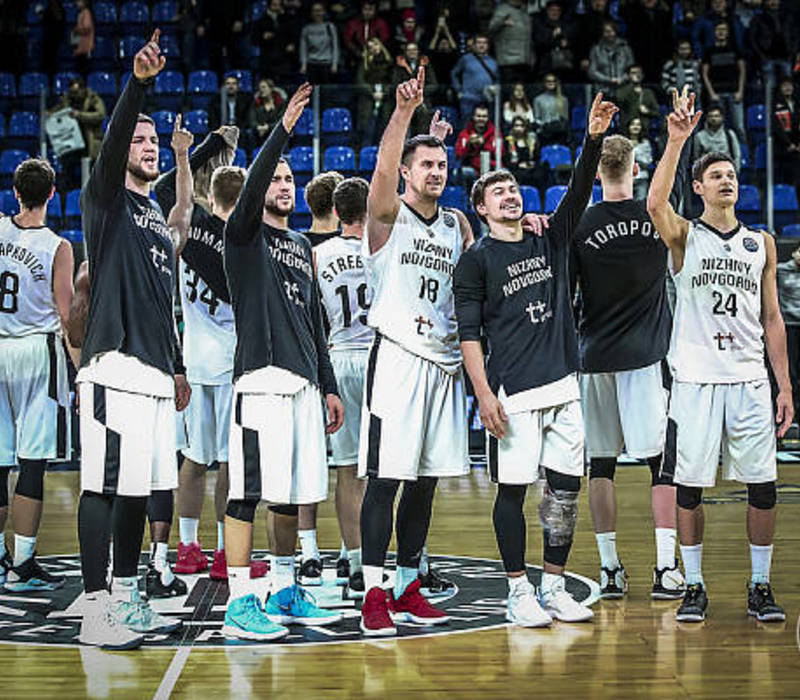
(623, 336)
(282, 375)
(513, 289)
(726, 311)
(128, 380)
(35, 296)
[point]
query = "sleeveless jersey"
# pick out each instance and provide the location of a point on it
(412, 282)
(27, 305)
(345, 295)
(717, 336)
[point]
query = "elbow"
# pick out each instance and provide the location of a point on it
(656, 204)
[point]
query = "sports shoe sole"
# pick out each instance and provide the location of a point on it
(382, 632)
(613, 595)
(233, 632)
(133, 644)
(168, 592)
(690, 617)
(667, 595)
(529, 625)
(25, 586)
(178, 569)
(163, 629)
(350, 594)
(771, 617)
(310, 580)
(410, 617)
(305, 621)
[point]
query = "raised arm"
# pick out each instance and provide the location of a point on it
(79, 307)
(180, 216)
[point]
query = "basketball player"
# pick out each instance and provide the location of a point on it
(513, 288)
(281, 374)
(623, 335)
(128, 382)
(726, 311)
(35, 296)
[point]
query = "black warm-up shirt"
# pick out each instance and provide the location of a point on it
(517, 294)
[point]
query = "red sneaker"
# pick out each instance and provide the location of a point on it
(191, 559)
(375, 620)
(219, 568)
(413, 607)
(258, 568)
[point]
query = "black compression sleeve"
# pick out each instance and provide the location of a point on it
(469, 287)
(327, 379)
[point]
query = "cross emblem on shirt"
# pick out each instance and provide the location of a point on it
(719, 337)
(159, 257)
(422, 322)
(535, 311)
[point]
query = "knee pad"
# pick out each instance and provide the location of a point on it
(558, 509)
(161, 506)
(762, 496)
(656, 477)
(31, 479)
(290, 510)
(602, 468)
(4, 472)
(242, 510)
(688, 497)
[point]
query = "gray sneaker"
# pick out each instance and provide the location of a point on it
(136, 614)
(99, 628)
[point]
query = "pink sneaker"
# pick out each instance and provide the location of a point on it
(219, 568)
(191, 559)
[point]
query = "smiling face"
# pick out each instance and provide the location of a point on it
(718, 185)
(279, 199)
(480, 118)
(143, 152)
(635, 127)
(502, 202)
(426, 172)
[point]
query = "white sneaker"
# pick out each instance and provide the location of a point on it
(560, 605)
(136, 614)
(99, 628)
(668, 584)
(524, 609)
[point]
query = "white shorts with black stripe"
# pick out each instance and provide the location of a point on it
(208, 423)
(277, 449)
(181, 438)
(548, 438)
(736, 418)
(414, 421)
(625, 409)
(34, 399)
(350, 367)
(127, 441)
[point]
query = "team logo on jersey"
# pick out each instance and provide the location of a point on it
(750, 244)
(449, 220)
(476, 601)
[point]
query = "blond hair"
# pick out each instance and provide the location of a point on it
(616, 157)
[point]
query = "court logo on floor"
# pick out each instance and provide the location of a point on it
(476, 600)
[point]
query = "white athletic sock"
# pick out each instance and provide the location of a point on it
(122, 587)
(665, 547)
(760, 562)
(692, 556)
(281, 572)
(403, 576)
(343, 551)
(516, 582)
(308, 543)
(551, 582)
(188, 529)
(23, 548)
(373, 577)
(238, 581)
(354, 557)
(3, 549)
(161, 564)
(607, 546)
(423, 562)
(220, 535)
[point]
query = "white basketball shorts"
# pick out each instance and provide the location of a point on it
(277, 447)
(208, 423)
(738, 418)
(349, 367)
(127, 441)
(625, 409)
(34, 399)
(415, 418)
(550, 438)
(181, 437)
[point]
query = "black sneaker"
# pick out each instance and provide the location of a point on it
(6, 564)
(693, 607)
(29, 576)
(354, 588)
(761, 603)
(432, 584)
(613, 582)
(342, 571)
(310, 573)
(154, 588)
(668, 583)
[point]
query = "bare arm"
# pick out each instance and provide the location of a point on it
(467, 237)
(79, 308)
(63, 291)
(180, 217)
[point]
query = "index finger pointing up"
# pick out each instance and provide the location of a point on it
(178, 120)
(156, 35)
(421, 78)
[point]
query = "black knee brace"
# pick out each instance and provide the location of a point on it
(283, 509)
(4, 472)
(161, 506)
(558, 513)
(763, 496)
(562, 482)
(689, 497)
(656, 477)
(31, 479)
(602, 468)
(242, 510)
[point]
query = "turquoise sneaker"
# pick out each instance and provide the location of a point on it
(136, 614)
(245, 619)
(294, 605)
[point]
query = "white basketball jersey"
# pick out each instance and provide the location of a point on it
(412, 279)
(717, 336)
(27, 304)
(345, 295)
(209, 333)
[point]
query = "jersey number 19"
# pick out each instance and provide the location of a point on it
(361, 295)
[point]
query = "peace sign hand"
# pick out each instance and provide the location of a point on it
(683, 119)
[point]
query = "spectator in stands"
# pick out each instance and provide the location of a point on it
(635, 100)
(770, 35)
(277, 38)
(522, 154)
(723, 76)
(786, 131)
(517, 105)
(474, 74)
(82, 37)
(406, 66)
(193, 27)
(374, 81)
(443, 48)
(226, 29)
(359, 30)
(715, 137)
(686, 13)
(89, 110)
(510, 29)
(682, 69)
(590, 30)
(408, 30)
(53, 23)
(551, 112)
(319, 47)
(476, 137)
(704, 28)
(649, 32)
(266, 110)
(609, 60)
(788, 277)
(554, 40)
(642, 156)
(229, 109)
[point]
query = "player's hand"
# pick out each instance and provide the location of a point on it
(230, 134)
(683, 119)
(410, 93)
(600, 115)
(296, 105)
(440, 128)
(183, 392)
(493, 416)
(182, 138)
(149, 61)
(335, 413)
(784, 412)
(535, 223)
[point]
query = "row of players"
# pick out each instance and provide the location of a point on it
(432, 297)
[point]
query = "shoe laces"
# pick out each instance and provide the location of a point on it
(764, 590)
(302, 598)
(693, 592)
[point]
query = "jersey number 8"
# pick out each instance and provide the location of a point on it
(9, 288)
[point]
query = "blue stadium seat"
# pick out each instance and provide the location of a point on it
(784, 198)
(597, 193)
(9, 160)
(32, 17)
(23, 131)
(8, 203)
(553, 196)
(196, 121)
(240, 158)
(166, 159)
(70, 12)
(305, 124)
(171, 50)
(73, 235)
(165, 121)
(556, 155)
(245, 79)
(301, 159)
(134, 17)
(2, 126)
(531, 201)
(578, 118)
(54, 212)
(341, 158)
(104, 84)
(168, 90)
(300, 204)
(72, 209)
(8, 90)
(755, 117)
(61, 82)
(128, 47)
(105, 13)
(104, 56)
(744, 155)
(164, 13)
(792, 230)
(336, 120)
(201, 86)
(258, 10)
(454, 196)
(367, 159)
(759, 157)
(748, 208)
(30, 88)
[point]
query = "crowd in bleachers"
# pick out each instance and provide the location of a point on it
(234, 62)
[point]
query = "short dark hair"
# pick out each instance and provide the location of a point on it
(410, 147)
(145, 118)
(226, 185)
(478, 106)
(319, 193)
(704, 162)
(350, 199)
(483, 182)
(34, 179)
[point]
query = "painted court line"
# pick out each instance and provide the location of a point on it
(173, 673)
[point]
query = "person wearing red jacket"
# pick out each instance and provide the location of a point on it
(477, 136)
(361, 29)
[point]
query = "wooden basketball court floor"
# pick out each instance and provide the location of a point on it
(634, 647)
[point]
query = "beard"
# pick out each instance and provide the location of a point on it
(272, 206)
(138, 172)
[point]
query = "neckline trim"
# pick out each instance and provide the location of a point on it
(423, 219)
(723, 235)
